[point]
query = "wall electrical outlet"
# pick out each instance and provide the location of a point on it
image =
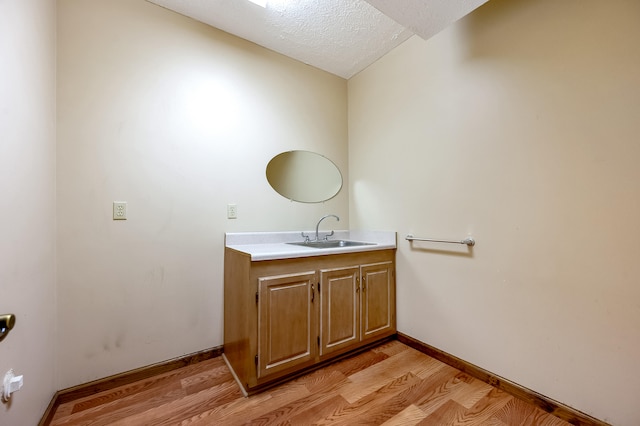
(232, 211)
(119, 210)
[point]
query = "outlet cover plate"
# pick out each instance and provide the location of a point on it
(119, 210)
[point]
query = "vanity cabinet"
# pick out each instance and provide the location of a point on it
(284, 316)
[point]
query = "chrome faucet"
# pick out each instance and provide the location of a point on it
(318, 226)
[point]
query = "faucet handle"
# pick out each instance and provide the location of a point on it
(306, 237)
(326, 237)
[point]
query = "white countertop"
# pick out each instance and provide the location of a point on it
(273, 245)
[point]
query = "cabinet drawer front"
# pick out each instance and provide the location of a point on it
(286, 322)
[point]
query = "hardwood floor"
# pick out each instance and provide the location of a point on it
(391, 384)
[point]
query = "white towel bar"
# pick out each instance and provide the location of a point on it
(468, 241)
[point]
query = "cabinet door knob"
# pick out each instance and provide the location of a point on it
(313, 293)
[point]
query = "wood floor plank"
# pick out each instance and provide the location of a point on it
(445, 415)
(228, 411)
(327, 409)
(391, 348)
(371, 379)
(359, 362)
(443, 391)
(540, 418)
(198, 382)
(244, 407)
(515, 411)
(484, 408)
(470, 393)
(121, 408)
(392, 384)
(411, 394)
(410, 416)
(496, 422)
(323, 381)
(363, 409)
(307, 407)
(61, 412)
(428, 368)
(183, 408)
(435, 390)
(123, 394)
(109, 406)
(239, 411)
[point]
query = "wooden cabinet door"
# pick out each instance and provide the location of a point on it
(286, 322)
(339, 310)
(378, 299)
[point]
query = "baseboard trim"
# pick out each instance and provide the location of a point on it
(121, 379)
(549, 405)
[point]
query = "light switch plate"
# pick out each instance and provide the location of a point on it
(119, 210)
(232, 211)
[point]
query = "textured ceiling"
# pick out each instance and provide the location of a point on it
(339, 36)
(426, 18)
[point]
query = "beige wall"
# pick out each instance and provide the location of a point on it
(177, 119)
(518, 125)
(27, 203)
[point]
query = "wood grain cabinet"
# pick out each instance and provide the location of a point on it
(357, 303)
(282, 317)
(286, 322)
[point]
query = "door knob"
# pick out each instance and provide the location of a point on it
(7, 322)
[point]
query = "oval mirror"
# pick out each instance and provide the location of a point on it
(304, 176)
